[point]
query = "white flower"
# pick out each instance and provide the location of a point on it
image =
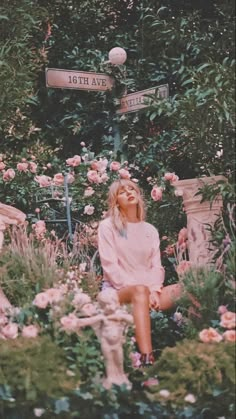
(38, 412)
(164, 393)
(89, 209)
(190, 398)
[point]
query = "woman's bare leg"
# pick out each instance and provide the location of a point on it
(138, 296)
(169, 296)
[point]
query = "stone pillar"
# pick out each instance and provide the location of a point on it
(199, 217)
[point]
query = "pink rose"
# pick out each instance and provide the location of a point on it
(228, 320)
(229, 335)
(9, 175)
(183, 235)
(22, 167)
(89, 191)
(102, 165)
(30, 331)
(10, 331)
(49, 165)
(89, 209)
(156, 193)
(135, 359)
(33, 157)
(115, 166)
(32, 167)
(104, 177)
(44, 181)
(124, 174)
(41, 300)
(74, 161)
(58, 179)
(54, 295)
(70, 178)
(210, 335)
(171, 177)
(94, 165)
(222, 309)
(82, 144)
(2, 166)
(69, 323)
(183, 267)
(93, 176)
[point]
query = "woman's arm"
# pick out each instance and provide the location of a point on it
(108, 256)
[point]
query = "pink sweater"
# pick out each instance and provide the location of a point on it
(133, 259)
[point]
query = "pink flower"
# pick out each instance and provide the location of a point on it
(10, 331)
(93, 176)
(69, 323)
(82, 144)
(2, 166)
(49, 165)
(89, 209)
(171, 177)
(222, 309)
(210, 335)
(54, 295)
(41, 300)
(39, 228)
(33, 157)
(124, 174)
(115, 166)
(178, 317)
(32, 167)
(37, 210)
(9, 175)
(94, 165)
(44, 181)
(135, 359)
(104, 177)
(183, 235)
(22, 167)
(70, 178)
(30, 331)
(156, 193)
(183, 267)
(74, 161)
(58, 179)
(151, 382)
(228, 320)
(89, 191)
(102, 165)
(229, 335)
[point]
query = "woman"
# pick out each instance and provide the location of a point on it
(130, 257)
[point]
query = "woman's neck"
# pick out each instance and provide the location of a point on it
(131, 215)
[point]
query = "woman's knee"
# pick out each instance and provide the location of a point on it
(140, 293)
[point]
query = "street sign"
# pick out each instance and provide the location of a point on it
(138, 100)
(69, 79)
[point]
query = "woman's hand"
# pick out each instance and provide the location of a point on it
(154, 300)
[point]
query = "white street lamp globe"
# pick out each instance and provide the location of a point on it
(117, 55)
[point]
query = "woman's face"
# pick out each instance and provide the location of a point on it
(127, 196)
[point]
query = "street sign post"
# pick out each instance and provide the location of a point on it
(138, 100)
(70, 79)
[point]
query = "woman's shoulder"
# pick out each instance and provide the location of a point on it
(106, 223)
(150, 228)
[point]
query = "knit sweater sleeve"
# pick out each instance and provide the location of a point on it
(108, 256)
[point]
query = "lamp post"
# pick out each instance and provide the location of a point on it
(117, 56)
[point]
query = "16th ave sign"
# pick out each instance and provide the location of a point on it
(138, 100)
(69, 79)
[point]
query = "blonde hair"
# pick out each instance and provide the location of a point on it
(118, 217)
